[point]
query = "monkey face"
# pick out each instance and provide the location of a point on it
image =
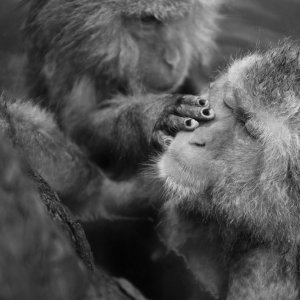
(244, 164)
(163, 52)
(166, 37)
(163, 62)
(161, 40)
(195, 159)
(229, 144)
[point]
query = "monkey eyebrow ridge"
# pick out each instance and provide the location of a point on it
(233, 100)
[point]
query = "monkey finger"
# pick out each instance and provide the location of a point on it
(176, 123)
(197, 113)
(195, 101)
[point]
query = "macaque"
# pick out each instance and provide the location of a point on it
(233, 184)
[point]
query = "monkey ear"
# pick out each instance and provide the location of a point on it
(200, 247)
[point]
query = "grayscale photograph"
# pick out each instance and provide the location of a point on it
(150, 149)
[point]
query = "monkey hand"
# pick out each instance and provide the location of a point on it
(185, 113)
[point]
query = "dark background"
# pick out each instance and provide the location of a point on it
(247, 24)
(11, 47)
(252, 24)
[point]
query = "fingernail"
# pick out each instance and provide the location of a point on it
(208, 113)
(191, 123)
(203, 102)
(188, 122)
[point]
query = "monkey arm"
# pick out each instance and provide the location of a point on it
(118, 133)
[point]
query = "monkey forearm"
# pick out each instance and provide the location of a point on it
(119, 129)
(119, 133)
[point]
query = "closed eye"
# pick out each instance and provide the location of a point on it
(244, 118)
(239, 112)
(149, 20)
(252, 130)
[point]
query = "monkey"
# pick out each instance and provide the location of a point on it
(232, 184)
(99, 65)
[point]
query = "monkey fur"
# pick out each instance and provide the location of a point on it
(39, 235)
(33, 248)
(233, 184)
(93, 62)
(84, 188)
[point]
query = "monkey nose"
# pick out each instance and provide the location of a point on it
(172, 58)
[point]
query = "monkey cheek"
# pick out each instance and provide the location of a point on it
(184, 173)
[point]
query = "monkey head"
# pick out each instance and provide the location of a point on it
(243, 167)
(140, 45)
(168, 36)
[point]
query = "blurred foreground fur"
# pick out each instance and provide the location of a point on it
(44, 253)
